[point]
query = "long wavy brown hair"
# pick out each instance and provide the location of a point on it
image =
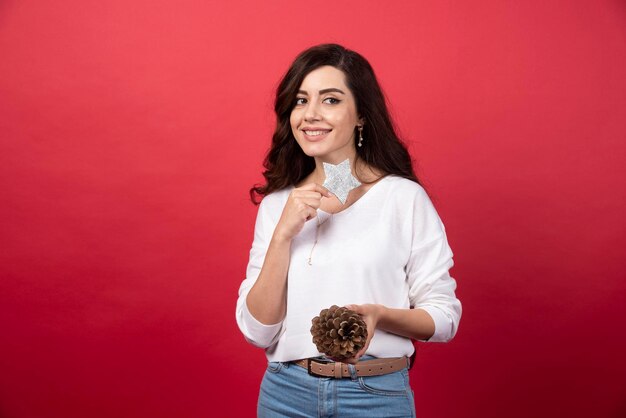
(286, 164)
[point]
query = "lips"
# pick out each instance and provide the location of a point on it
(315, 134)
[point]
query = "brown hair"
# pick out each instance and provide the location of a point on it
(286, 164)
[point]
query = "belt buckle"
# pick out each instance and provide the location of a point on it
(310, 370)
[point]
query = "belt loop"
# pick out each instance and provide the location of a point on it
(338, 370)
(352, 370)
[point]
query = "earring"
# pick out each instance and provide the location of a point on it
(360, 144)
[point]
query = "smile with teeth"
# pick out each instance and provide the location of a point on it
(316, 133)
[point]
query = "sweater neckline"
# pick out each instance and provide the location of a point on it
(365, 196)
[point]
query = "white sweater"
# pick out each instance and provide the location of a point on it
(389, 247)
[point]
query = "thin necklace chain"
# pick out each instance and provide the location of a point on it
(319, 224)
(317, 233)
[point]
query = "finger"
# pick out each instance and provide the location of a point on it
(300, 203)
(310, 213)
(310, 202)
(355, 308)
(362, 352)
(318, 188)
(307, 193)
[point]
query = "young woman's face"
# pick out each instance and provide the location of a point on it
(324, 117)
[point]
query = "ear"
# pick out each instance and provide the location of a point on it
(361, 121)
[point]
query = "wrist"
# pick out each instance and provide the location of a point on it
(281, 238)
(382, 313)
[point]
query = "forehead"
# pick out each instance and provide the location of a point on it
(324, 77)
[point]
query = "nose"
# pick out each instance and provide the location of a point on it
(312, 111)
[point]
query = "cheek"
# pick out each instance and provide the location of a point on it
(294, 129)
(294, 121)
(341, 122)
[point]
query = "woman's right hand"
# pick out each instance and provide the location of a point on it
(301, 206)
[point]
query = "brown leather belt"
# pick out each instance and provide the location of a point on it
(336, 369)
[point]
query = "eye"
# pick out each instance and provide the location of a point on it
(331, 100)
(300, 101)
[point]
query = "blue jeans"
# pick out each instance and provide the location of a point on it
(287, 390)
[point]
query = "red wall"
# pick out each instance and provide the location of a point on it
(131, 132)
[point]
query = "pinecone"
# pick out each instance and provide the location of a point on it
(339, 332)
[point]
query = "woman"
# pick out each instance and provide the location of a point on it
(380, 251)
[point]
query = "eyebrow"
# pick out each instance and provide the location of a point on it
(330, 90)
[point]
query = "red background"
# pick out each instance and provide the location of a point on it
(132, 130)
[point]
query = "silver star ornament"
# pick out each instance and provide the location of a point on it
(339, 180)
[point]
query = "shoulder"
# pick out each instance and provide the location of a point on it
(270, 209)
(405, 190)
(275, 201)
(412, 204)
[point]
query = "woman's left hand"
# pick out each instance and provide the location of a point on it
(371, 314)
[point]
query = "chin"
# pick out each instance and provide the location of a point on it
(314, 154)
(313, 151)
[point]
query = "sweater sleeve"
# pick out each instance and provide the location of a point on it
(431, 287)
(255, 332)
